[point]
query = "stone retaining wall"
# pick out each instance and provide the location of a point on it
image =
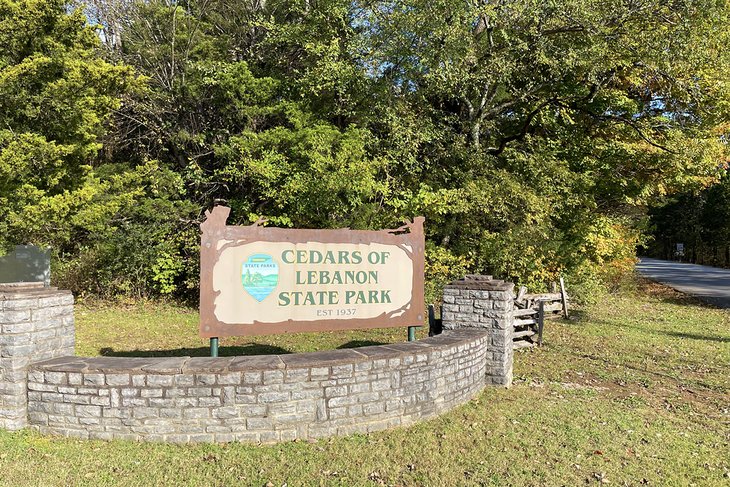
(258, 398)
(36, 323)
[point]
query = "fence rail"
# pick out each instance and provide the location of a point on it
(531, 311)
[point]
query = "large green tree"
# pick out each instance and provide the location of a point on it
(551, 124)
(531, 134)
(57, 93)
(699, 220)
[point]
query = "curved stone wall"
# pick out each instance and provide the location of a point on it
(257, 398)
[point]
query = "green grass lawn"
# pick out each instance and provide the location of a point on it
(148, 329)
(634, 390)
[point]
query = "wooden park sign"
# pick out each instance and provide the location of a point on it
(257, 280)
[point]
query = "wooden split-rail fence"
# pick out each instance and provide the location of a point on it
(531, 311)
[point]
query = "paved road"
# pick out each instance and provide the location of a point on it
(710, 284)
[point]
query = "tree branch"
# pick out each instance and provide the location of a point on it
(495, 151)
(620, 119)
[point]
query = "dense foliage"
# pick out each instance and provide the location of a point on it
(530, 134)
(698, 221)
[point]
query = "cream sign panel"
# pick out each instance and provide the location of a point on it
(257, 280)
(272, 282)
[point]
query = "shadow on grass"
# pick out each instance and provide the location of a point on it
(232, 351)
(709, 302)
(677, 377)
(695, 336)
(360, 343)
(667, 294)
(227, 351)
(613, 363)
(676, 334)
(576, 315)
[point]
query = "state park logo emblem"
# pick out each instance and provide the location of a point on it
(259, 275)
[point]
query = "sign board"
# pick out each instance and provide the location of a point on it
(257, 280)
(27, 263)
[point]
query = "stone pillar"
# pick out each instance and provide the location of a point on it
(483, 302)
(36, 323)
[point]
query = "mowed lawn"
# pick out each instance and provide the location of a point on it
(634, 390)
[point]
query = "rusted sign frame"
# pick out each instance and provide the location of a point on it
(409, 238)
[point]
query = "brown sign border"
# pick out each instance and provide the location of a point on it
(214, 229)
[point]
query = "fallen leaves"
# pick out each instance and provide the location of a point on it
(210, 458)
(601, 478)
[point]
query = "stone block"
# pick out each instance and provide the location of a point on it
(118, 379)
(341, 371)
(24, 303)
(15, 316)
(56, 378)
(42, 387)
(100, 401)
(18, 350)
(269, 397)
(160, 380)
(156, 402)
(196, 413)
(210, 402)
(12, 389)
(200, 391)
(145, 413)
(18, 328)
(129, 392)
(205, 379)
(94, 380)
(501, 296)
(225, 412)
(170, 413)
(83, 411)
(307, 394)
(335, 391)
(504, 305)
(273, 377)
(296, 375)
(229, 379)
(42, 314)
(252, 378)
(150, 392)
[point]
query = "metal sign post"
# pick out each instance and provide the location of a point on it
(412, 333)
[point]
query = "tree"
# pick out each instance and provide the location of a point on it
(532, 135)
(56, 96)
(700, 220)
(580, 113)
